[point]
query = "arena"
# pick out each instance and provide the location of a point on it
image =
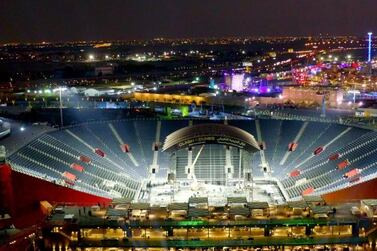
(265, 159)
(158, 179)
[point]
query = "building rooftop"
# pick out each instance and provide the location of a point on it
(237, 200)
(258, 205)
(198, 200)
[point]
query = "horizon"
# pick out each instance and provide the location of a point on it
(186, 38)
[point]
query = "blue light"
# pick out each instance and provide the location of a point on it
(212, 83)
(369, 47)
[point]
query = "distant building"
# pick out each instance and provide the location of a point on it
(366, 112)
(305, 95)
(234, 82)
(104, 70)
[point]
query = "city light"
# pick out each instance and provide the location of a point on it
(91, 57)
(60, 89)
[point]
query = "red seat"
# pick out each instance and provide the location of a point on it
(100, 152)
(352, 173)
(69, 176)
(77, 167)
(295, 173)
(125, 148)
(343, 164)
(318, 150)
(84, 159)
(335, 156)
(292, 147)
(308, 191)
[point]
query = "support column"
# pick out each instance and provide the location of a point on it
(154, 167)
(189, 167)
(355, 229)
(229, 169)
(266, 231)
(308, 230)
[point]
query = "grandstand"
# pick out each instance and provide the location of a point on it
(130, 158)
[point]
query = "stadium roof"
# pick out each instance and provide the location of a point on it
(210, 134)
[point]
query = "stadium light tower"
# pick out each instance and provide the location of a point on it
(369, 47)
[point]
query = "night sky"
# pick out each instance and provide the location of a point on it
(65, 20)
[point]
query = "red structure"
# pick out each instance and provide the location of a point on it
(77, 167)
(295, 173)
(343, 164)
(84, 159)
(99, 152)
(308, 191)
(318, 150)
(335, 156)
(292, 147)
(6, 188)
(365, 190)
(69, 176)
(352, 173)
(125, 148)
(21, 194)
